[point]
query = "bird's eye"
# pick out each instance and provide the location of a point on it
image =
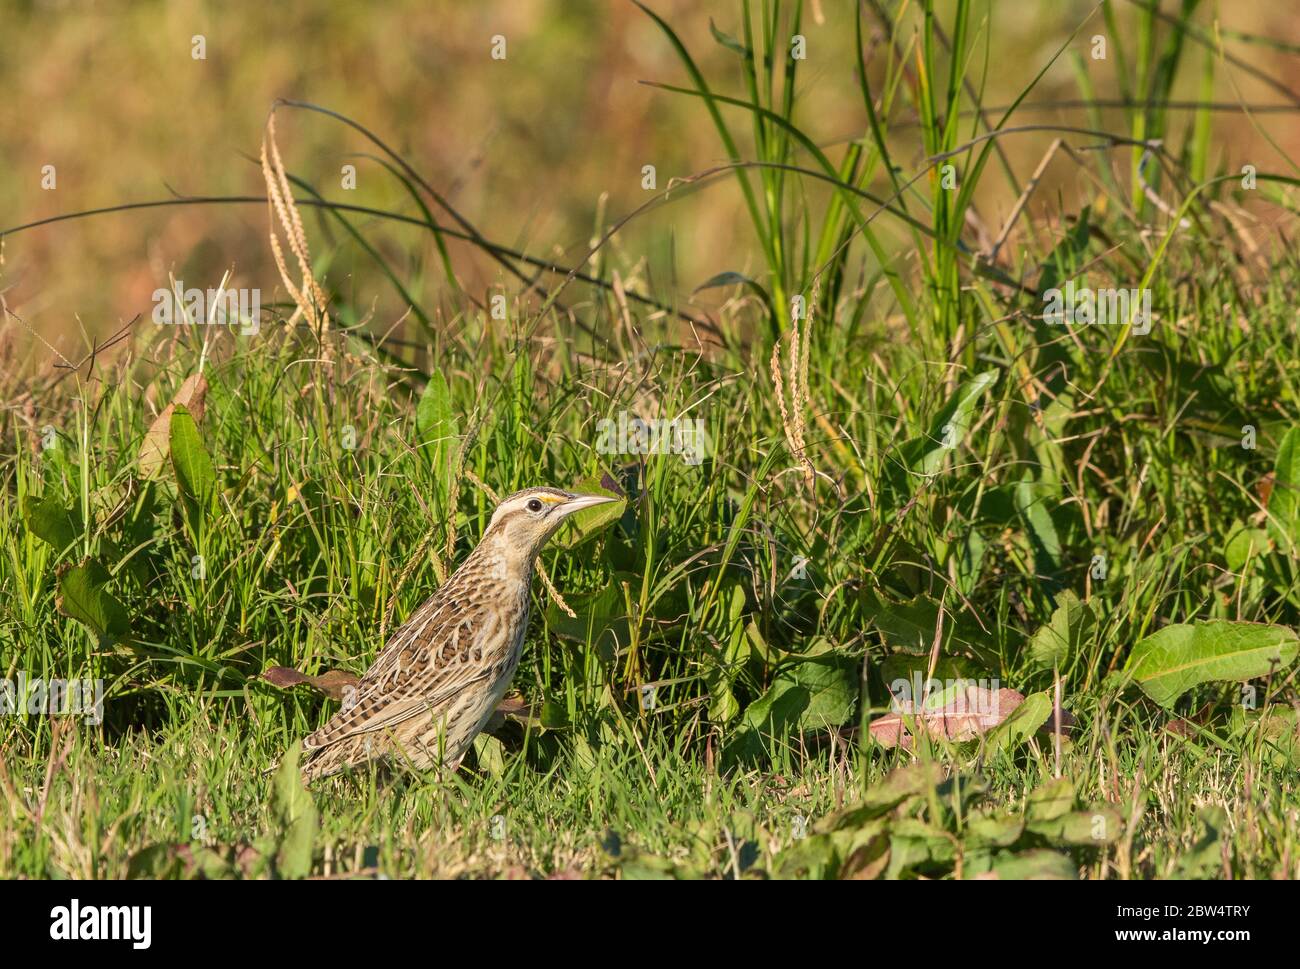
(534, 505)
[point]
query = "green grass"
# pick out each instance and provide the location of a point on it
(891, 500)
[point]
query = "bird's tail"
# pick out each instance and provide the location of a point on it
(318, 762)
(315, 762)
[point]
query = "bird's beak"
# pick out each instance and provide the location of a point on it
(579, 502)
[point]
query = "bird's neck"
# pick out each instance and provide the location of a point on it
(501, 560)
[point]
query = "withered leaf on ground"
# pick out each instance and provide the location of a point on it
(514, 707)
(965, 715)
(156, 446)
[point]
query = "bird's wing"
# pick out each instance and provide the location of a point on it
(423, 666)
(360, 721)
(401, 653)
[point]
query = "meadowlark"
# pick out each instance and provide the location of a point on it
(436, 682)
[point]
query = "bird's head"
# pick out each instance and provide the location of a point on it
(525, 520)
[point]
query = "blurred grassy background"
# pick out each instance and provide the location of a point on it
(526, 147)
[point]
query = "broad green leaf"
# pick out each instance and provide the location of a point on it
(723, 705)
(813, 858)
(1026, 720)
(490, 754)
(433, 414)
(1284, 501)
(1032, 502)
(172, 861)
(1050, 801)
(49, 521)
(82, 596)
(1245, 545)
(866, 856)
(1170, 662)
(1047, 441)
(156, 861)
(156, 445)
(554, 716)
(1035, 865)
(636, 864)
(969, 554)
(831, 683)
(780, 709)
(926, 455)
(584, 524)
(818, 692)
(194, 472)
(860, 852)
(601, 620)
(910, 626)
(1099, 825)
(436, 428)
(996, 829)
(904, 784)
(296, 816)
(915, 844)
(736, 642)
(1071, 625)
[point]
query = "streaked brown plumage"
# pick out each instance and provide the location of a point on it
(436, 682)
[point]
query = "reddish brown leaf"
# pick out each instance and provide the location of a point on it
(283, 677)
(512, 704)
(512, 707)
(966, 716)
(1265, 487)
(332, 683)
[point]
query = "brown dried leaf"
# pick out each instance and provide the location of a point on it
(966, 716)
(1265, 487)
(156, 445)
(333, 683)
(283, 677)
(513, 707)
